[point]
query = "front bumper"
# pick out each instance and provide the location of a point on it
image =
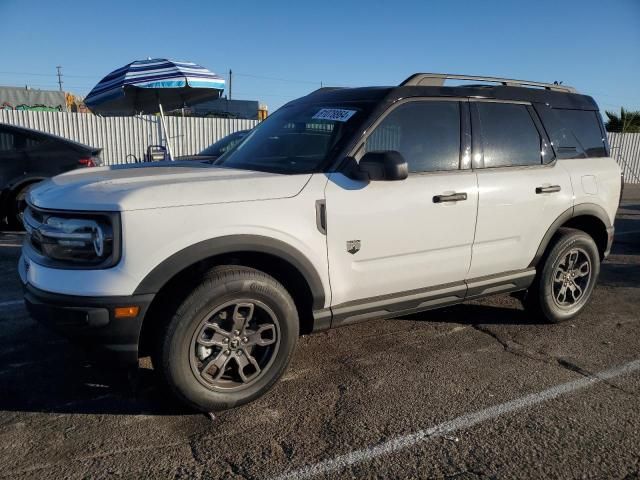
(91, 320)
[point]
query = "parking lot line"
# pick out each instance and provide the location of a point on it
(465, 421)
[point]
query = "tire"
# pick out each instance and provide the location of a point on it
(239, 319)
(16, 206)
(561, 291)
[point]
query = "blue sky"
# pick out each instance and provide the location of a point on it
(593, 45)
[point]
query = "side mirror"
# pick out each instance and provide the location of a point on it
(383, 165)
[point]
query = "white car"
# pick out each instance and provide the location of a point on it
(342, 206)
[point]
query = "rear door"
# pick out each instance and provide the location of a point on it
(388, 238)
(522, 189)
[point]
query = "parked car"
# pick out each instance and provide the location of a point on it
(343, 206)
(219, 148)
(27, 157)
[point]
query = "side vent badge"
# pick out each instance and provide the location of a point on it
(353, 246)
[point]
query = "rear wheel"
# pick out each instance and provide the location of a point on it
(564, 285)
(230, 340)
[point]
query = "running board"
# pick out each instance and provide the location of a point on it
(405, 303)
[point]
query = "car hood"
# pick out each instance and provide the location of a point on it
(160, 185)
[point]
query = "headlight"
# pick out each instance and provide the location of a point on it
(80, 239)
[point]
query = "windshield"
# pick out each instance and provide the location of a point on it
(296, 139)
(225, 144)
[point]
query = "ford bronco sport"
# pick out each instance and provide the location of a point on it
(345, 205)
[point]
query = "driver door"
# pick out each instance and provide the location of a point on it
(396, 245)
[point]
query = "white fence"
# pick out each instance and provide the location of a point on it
(625, 147)
(121, 137)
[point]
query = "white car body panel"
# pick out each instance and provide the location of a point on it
(150, 187)
(152, 235)
(596, 181)
(407, 241)
(513, 218)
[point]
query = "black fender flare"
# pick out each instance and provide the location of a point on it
(591, 209)
(192, 254)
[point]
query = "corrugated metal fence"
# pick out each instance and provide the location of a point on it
(121, 137)
(625, 147)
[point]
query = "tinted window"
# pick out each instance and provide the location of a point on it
(585, 126)
(509, 136)
(7, 141)
(427, 134)
(224, 145)
(297, 138)
(564, 142)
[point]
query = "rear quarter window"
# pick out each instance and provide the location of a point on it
(585, 126)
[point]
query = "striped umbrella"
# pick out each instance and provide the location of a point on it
(142, 86)
(152, 86)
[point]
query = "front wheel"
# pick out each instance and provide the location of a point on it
(230, 339)
(564, 285)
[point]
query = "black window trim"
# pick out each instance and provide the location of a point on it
(464, 165)
(477, 150)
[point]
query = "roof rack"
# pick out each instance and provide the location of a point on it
(438, 79)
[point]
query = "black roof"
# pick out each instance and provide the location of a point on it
(555, 99)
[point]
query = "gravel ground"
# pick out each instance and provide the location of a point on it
(473, 391)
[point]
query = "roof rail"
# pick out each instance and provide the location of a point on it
(438, 79)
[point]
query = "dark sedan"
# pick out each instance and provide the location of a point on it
(29, 156)
(222, 146)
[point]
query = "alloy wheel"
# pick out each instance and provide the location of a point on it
(571, 278)
(234, 345)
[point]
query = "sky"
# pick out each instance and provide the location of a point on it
(280, 50)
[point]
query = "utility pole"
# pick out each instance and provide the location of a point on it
(59, 76)
(230, 79)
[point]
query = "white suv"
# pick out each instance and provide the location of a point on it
(344, 205)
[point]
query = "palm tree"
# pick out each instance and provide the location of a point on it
(626, 122)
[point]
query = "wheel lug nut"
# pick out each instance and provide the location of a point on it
(245, 340)
(236, 332)
(226, 340)
(227, 352)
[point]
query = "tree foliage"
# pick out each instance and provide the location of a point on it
(626, 122)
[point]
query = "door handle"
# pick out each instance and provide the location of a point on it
(453, 197)
(550, 189)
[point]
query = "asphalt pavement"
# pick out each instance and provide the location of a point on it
(475, 391)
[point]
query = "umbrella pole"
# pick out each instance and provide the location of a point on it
(166, 132)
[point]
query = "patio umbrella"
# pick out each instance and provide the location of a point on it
(152, 86)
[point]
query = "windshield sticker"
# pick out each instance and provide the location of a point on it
(335, 114)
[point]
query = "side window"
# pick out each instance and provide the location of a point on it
(30, 143)
(509, 136)
(585, 126)
(564, 142)
(7, 141)
(426, 133)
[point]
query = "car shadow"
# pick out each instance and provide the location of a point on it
(477, 314)
(47, 374)
(57, 377)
